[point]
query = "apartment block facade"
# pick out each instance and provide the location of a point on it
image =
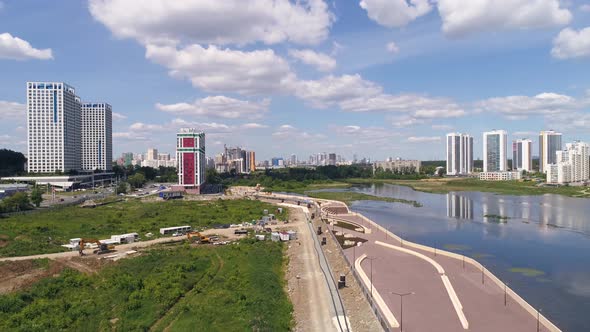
(459, 154)
(97, 136)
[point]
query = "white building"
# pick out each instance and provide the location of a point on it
(97, 136)
(152, 154)
(573, 165)
(190, 154)
(398, 166)
(53, 127)
(549, 144)
(459, 154)
(494, 151)
(500, 176)
(522, 155)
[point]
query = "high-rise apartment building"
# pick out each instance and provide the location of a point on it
(53, 127)
(252, 161)
(459, 154)
(549, 144)
(97, 136)
(152, 154)
(522, 155)
(494, 151)
(190, 155)
(572, 164)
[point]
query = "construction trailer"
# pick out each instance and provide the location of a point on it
(175, 230)
(166, 195)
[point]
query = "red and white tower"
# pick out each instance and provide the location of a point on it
(190, 156)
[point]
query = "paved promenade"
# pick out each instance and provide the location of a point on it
(434, 306)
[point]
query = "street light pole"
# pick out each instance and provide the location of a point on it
(401, 303)
(504, 293)
(371, 259)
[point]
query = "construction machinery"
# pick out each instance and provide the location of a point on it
(103, 248)
(196, 236)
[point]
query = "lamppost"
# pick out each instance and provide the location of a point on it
(371, 259)
(505, 295)
(401, 303)
(538, 316)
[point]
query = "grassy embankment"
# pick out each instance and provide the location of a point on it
(229, 288)
(45, 232)
(348, 197)
(445, 185)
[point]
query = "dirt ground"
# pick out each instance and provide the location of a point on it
(18, 275)
(305, 284)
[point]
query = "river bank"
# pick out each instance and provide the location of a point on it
(479, 310)
(446, 185)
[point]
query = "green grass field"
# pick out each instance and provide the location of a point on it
(347, 197)
(45, 232)
(228, 288)
(445, 185)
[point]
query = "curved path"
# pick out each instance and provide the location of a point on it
(433, 306)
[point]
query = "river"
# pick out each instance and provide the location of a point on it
(542, 249)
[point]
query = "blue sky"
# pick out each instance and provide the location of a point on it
(376, 78)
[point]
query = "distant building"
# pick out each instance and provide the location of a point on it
(398, 166)
(494, 151)
(53, 128)
(500, 176)
(97, 136)
(549, 144)
(190, 154)
(277, 162)
(251, 161)
(127, 158)
(522, 155)
(459, 154)
(573, 165)
(332, 159)
(152, 154)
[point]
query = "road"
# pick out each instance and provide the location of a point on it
(310, 294)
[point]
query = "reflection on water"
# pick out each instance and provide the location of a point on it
(458, 206)
(547, 233)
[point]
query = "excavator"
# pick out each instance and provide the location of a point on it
(196, 236)
(103, 248)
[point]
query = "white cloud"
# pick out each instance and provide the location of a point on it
(395, 13)
(422, 139)
(15, 48)
(525, 134)
(392, 48)
(288, 132)
(253, 125)
(320, 61)
(367, 136)
(218, 106)
(214, 21)
(442, 127)
(571, 44)
(585, 8)
(462, 17)
(12, 110)
(520, 107)
(119, 116)
(224, 70)
(333, 90)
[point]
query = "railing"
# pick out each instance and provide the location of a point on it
(378, 313)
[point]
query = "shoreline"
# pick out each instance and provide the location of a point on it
(474, 263)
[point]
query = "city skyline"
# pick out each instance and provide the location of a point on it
(351, 82)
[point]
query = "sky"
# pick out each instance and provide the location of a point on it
(375, 78)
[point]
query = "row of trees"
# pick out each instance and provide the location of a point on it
(161, 174)
(22, 201)
(11, 163)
